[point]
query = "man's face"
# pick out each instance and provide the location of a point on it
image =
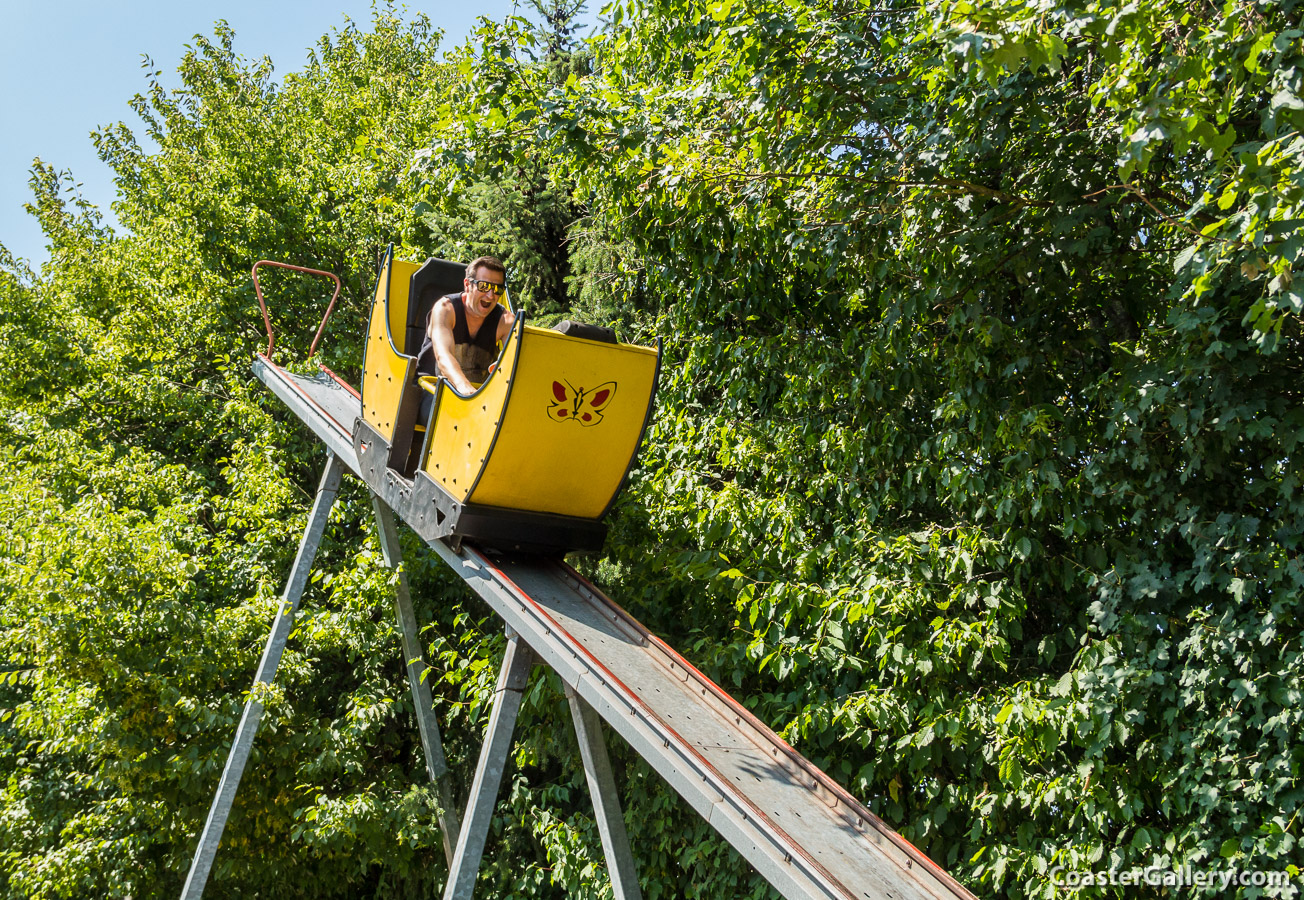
(481, 302)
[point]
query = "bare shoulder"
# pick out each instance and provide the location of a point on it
(505, 323)
(442, 313)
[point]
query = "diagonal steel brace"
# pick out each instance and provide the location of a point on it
(606, 802)
(431, 741)
(512, 680)
(253, 711)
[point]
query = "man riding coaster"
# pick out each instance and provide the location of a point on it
(463, 331)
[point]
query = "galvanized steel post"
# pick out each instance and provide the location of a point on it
(253, 711)
(431, 740)
(512, 680)
(606, 802)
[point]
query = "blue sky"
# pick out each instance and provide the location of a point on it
(69, 66)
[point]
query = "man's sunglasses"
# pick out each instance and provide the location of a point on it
(489, 287)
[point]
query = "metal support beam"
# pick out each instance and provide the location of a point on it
(512, 680)
(431, 740)
(253, 711)
(606, 802)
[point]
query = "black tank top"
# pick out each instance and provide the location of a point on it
(474, 354)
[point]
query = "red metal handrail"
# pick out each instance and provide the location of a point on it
(267, 320)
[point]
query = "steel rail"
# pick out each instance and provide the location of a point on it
(548, 604)
(837, 797)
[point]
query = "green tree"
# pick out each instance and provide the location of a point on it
(975, 463)
(525, 212)
(973, 467)
(154, 492)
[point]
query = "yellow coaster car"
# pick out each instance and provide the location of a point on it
(534, 458)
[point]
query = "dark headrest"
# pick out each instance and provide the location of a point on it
(436, 278)
(588, 332)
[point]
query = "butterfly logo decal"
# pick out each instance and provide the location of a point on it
(585, 406)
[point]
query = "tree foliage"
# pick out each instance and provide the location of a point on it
(154, 494)
(973, 469)
(981, 422)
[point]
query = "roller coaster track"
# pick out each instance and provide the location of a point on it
(805, 834)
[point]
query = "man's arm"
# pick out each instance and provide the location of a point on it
(505, 324)
(442, 319)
